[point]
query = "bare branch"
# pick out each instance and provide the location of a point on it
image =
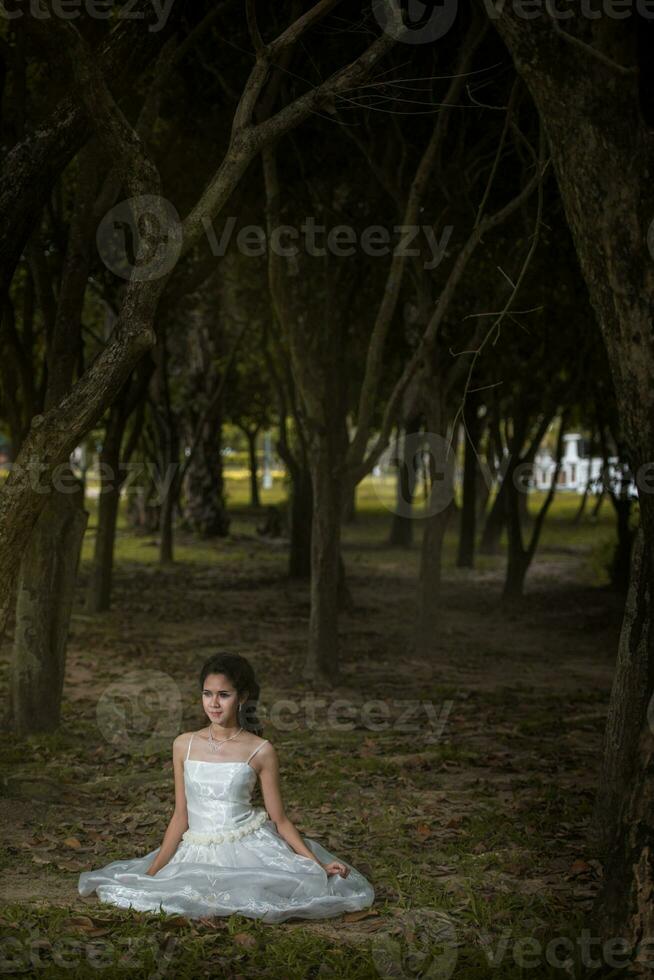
(428, 340)
(388, 305)
(253, 28)
(247, 140)
(593, 52)
(115, 131)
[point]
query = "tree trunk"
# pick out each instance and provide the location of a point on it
(595, 143)
(49, 562)
(345, 601)
(206, 512)
(492, 533)
(350, 506)
(523, 507)
(431, 561)
(166, 539)
(520, 557)
(98, 594)
(622, 818)
(582, 505)
(482, 494)
(516, 572)
(624, 904)
(621, 561)
(143, 510)
(597, 506)
(517, 562)
(301, 518)
(440, 507)
(46, 589)
(254, 466)
(466, 551)
(322, 661)
(630, 698)
(401, 534)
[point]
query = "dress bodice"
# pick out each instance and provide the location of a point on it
(218, 800)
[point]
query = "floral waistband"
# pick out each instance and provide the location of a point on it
(258, 819)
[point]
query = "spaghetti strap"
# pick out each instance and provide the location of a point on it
(189, 744)
(257, 749)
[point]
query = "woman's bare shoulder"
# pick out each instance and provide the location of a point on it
(182, 740)
(264, 749)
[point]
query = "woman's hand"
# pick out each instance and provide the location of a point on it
(336, 868)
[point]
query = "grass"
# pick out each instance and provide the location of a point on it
(474, 833)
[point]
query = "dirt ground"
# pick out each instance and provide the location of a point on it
(460, 784)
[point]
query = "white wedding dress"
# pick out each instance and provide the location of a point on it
(231, 859)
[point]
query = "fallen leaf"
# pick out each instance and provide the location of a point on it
(580, 867)
(357, 916)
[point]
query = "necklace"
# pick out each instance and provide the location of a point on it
(215, 743)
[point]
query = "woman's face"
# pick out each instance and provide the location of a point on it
(220, 700)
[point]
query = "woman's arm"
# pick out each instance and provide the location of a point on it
(179, 820)
(272, 797)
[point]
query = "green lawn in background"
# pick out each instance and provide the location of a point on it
(592, 539)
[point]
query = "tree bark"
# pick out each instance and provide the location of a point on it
(31, 168)
(467, 527)
(301, 519)
(46, 589)
(169, 498)
(350, 507)
(582, 504)
(53, 437)
(401, 534)
(322, 655)
(440, 507)
(254, 468)
(112, 476)
(431, 563)
(495, 521)
(206, 512)
(114, 463)
(602, 155)
(49, 563)
(621, 560)
(519, 556)
(624, 904)
(630, 699)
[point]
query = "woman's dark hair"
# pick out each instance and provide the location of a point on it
(240, 673)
